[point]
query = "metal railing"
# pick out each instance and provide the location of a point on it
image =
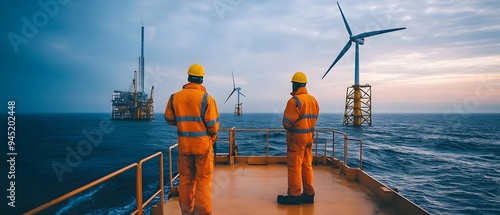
(161, 191)
(346, 143)
(140, 204)
(232, 143)
(346, 139)
(232, 137)
(171, 177)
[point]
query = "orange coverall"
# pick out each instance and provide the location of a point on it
(195, 114)
(299, 119)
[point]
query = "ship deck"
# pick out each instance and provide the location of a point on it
(252, 189)
(250, 184)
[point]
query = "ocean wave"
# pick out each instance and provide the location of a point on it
(126, 209)
(79, 200)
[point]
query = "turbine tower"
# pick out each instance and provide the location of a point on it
(358, 97)
(238, 108)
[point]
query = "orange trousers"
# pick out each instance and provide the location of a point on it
(300, 172)
(195, 183)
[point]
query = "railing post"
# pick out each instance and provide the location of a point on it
(324, 155)
(139, 189)
(267, 145)
(315, 145)
(170, 167)
(231, 146)
(162, 182)
(333, 144)
(172, 190)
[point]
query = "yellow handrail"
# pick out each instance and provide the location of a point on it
(172, 188)
(345, 137)
(140, 204)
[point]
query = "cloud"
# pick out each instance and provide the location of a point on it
(91, 48)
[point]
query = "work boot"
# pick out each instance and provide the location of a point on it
(306, 199)
(288, 200)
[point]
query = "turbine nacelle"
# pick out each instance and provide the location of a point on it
(359, 41)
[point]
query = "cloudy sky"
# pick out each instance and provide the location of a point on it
(69, 56)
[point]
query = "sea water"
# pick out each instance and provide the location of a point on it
(447, 164)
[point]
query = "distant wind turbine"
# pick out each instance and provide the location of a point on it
(238, 107)
(358, 98)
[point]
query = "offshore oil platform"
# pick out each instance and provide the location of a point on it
(134, 104)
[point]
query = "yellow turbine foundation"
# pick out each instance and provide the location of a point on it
(358, 105)
(238, 109)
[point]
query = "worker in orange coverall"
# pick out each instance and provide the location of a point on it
(195, 114)
(299, 120)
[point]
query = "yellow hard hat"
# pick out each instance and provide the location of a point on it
(196, 70)
(299, 77)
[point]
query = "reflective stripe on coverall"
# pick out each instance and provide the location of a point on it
(195, 114)
(299, 119)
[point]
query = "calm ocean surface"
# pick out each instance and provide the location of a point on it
(447, 164)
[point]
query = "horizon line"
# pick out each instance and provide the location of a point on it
(161, 113)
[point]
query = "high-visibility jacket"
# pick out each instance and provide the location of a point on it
(195, 114)
(299, 118)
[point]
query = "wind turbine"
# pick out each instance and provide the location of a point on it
(357, 93)
(238, 109)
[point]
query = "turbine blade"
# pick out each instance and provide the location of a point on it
(229, 96)
(234, 85)
(241, 93)
(373, 33)
(344, 50)
(345, 21)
